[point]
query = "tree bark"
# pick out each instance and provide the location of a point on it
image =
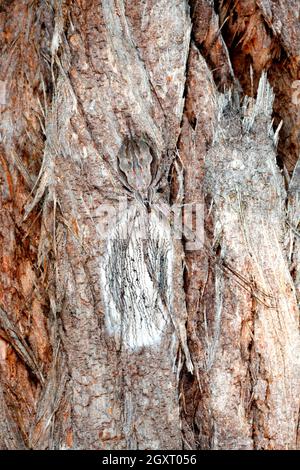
(120, 326)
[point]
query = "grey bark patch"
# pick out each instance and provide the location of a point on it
(137, 278)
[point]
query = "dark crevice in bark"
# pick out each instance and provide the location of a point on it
(251, 366)
(210, 42)
(245, 46)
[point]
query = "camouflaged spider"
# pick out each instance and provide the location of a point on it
(140, 169)
(142, 257)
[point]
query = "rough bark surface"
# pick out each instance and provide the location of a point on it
(117, 331)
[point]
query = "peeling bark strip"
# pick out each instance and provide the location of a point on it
(111, 111)
(136, 280)
(250, 349)
(251, 228)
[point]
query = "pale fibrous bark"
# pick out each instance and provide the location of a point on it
(121, 327)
